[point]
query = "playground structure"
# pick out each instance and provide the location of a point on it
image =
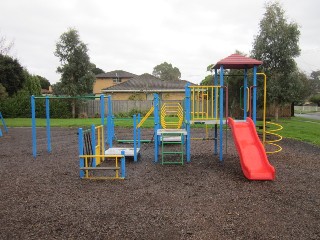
(92, 155)
(202, 105)
(3, 124)
(209, 105)
(48, 127)
(92, 143)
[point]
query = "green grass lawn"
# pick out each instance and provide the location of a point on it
(297, 128)
(303, 129)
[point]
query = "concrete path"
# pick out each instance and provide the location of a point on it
(315, 116)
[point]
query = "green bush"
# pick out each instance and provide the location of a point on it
(19, 106)
(316, 99)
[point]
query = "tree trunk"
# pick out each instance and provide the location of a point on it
(73, 108)
(276, 112)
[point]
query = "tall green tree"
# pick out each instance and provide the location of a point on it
(97, 70)
(315, 81)
(45, 84)
(166, 72)
(12, 77)
(75, 69)
(3, 92)
(32, 84)
(277, 44)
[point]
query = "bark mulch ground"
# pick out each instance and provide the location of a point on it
(44, 198)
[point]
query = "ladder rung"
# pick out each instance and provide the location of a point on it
(99, 168)
(172, 152)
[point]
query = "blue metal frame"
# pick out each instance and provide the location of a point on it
(187, 120)
(135, 157)
(254, 97)
(215, 97)
(93, 144)
(139, 131)
(80, 145)
(34, 133)
(48, 124)
(110, 123)
(123, 165)
(245, 94)
(3, 123)
(156, 125)
(102, 109)
(221, 114)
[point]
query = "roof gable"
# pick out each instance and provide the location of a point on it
(237, 61)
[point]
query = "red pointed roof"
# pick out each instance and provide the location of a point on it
(237, 61)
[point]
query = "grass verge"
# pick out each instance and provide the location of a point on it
(297, 127)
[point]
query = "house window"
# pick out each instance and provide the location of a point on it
(116, 80)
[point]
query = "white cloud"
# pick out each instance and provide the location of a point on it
(137, 35)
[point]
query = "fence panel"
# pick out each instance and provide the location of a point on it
(302, 109)
(92, 108)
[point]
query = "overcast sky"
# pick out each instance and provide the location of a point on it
(137, 35)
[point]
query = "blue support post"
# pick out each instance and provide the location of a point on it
(48, 124)
(109, 122)
(221, 114)
(215, 139)
(156, 125)
(34, 133)
(254, 97)
(245, 94)
(102, 109)
(215, 97)
(123, 165)
(187, 118)
(93, 144)
(139, 131)
(3, 123)
(135, 157)
(80, 145)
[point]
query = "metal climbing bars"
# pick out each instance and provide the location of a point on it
(174, 110)
(205, 102)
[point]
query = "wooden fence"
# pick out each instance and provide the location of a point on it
(92, 108)
(304, 109)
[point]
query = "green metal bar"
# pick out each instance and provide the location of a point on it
(131, 141)
(67, 97)
(168, 163)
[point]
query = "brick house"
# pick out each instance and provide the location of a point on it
(109, 79)
(142, 88)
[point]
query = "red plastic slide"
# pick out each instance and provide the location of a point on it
(253, 157)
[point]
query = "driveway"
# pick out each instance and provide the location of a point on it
(315, 116)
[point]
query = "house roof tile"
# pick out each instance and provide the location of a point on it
(147, 82)
(116, 74)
